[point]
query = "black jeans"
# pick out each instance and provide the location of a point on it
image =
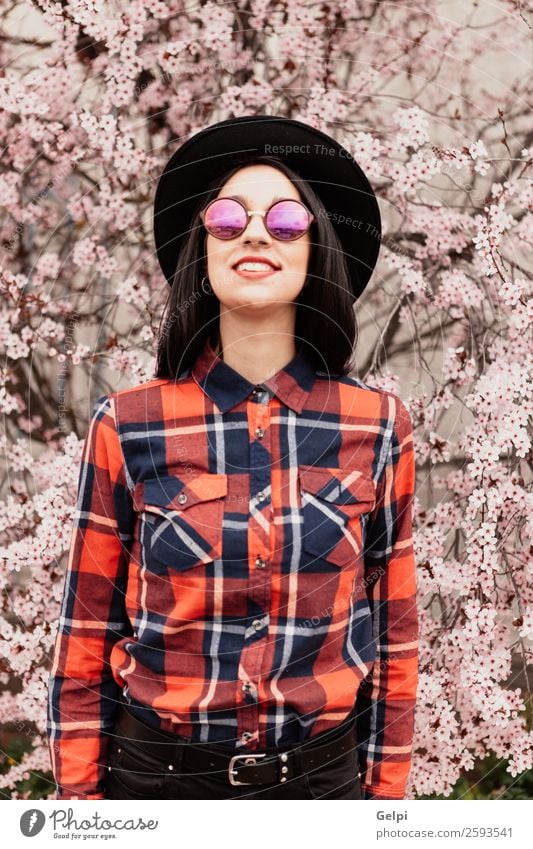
(136, 772)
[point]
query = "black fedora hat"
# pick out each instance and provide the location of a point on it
(348, 199)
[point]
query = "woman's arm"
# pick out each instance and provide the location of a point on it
(386, 698)
(82, 693)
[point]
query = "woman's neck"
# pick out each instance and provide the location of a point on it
(257, 357)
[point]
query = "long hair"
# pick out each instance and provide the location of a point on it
(325, 320)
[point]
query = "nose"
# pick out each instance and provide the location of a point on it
(256, 230)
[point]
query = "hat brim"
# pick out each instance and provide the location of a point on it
(348, 199)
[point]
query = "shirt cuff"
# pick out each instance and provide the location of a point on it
(67, 795)
(378, 793)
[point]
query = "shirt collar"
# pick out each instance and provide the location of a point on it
(227, 388)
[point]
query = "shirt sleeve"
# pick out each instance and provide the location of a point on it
(82, 692)
(386, 698)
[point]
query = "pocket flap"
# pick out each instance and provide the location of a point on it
(337, 486)
(173, 493)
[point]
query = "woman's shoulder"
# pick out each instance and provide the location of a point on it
(378, 398)
(358, 384)
(130, 396)
(138, 388)
(140, 401)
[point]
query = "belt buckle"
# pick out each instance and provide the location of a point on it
(248, 759)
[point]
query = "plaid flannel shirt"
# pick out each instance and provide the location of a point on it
(241, 571)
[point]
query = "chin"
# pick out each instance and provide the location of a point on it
(257, 301)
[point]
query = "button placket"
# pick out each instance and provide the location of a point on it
(259, 546)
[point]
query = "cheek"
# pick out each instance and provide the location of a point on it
(296, 256)
(216, 253)
(301, 257)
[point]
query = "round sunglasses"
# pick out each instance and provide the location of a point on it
(227, 218)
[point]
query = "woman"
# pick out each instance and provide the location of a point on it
(239, 616)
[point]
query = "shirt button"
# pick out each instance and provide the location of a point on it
(247, 687)
(259, 432)
(257, 624)
(182, 498)
(246, 735)
(260, 563)
(260, 496)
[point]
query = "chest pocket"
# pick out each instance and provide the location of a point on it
(333, 500)
(181, 520)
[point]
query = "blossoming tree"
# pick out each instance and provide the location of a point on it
(431, 100)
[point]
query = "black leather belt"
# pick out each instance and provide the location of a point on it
(252, 767)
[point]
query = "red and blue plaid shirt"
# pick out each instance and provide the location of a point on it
(241, 571)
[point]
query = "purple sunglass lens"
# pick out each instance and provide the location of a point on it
(287, 220)
(225, 219)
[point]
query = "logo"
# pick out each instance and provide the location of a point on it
(32, 822)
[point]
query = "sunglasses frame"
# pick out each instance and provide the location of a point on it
(250, 212)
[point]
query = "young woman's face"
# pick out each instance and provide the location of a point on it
(258, 186)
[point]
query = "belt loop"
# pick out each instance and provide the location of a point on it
(297, 755)
(178, 761)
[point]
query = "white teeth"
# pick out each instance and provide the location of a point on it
(254, 266)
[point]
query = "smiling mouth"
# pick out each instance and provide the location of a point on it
(254, 269)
